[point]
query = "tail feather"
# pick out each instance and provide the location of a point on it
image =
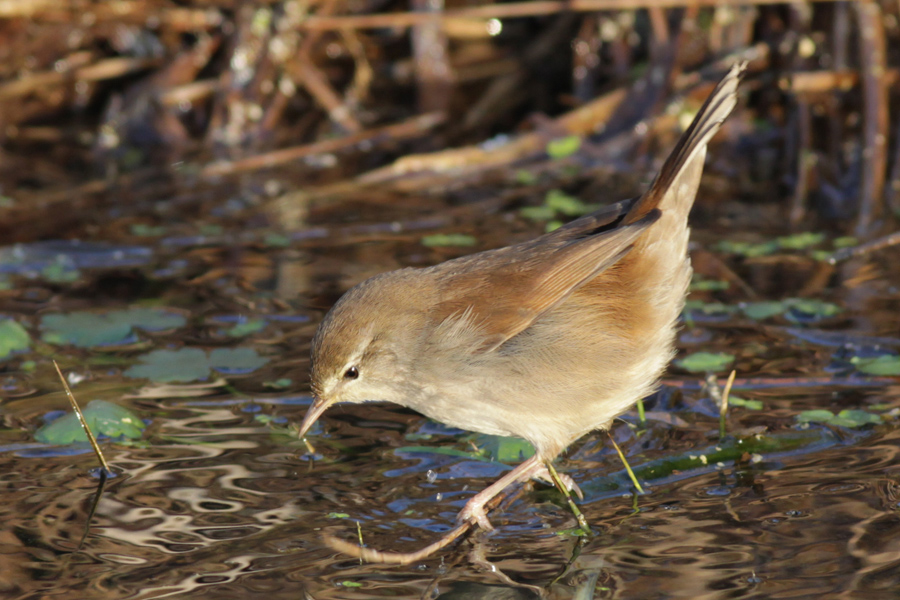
(692, 144)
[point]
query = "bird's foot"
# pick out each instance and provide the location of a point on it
(473, 512)
(543, 474)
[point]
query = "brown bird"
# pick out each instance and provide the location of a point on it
(544, 340)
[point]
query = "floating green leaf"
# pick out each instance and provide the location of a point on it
(444, 450)
(537, 213)
(763, 310)
(278, 384)
(236, 359)
(744, 403)
(858, 418)
(337, 515)
(89, 329)
(565, 204)
(60, 272)
(276, 240)
(104, 418)
(524, 177)
(191, 364)
(882, 365)
(185, 364)
(709, 308)
(563, 147)
(705, 362)
(144, 230)
(84, 330)
(816, 309)
(448, 239)
(815, 416)
(793, 309)
(799, 241)
(845, 418)
(709, 285)
(247, 327)
(844, 242)
(748, 249)
(13, 338)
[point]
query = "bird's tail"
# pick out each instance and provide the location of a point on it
(685, 163)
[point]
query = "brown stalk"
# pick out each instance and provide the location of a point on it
(110, 68)
(396, 558)
(409, 128)
(84, 425)
(875, 115)
(430, 47)
(318, 86)
(511, 10)
(826, 81)
(805, 159)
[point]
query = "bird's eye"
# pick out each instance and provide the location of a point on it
(351, 373)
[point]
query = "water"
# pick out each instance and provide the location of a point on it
(219, 499)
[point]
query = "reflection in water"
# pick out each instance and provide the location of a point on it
(238, 518)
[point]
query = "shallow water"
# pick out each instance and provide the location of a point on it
(219, 499)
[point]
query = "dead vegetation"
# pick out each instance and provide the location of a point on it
(117, 104)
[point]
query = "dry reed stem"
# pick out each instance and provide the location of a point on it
(875, 116)
(511, 10)
(396, 558)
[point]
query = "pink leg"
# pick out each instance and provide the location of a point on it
(473, 511)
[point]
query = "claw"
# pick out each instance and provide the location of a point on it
(544, 475)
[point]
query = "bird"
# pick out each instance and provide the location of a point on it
(545, 340)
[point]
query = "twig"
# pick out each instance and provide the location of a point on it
(883, 242)
(396, 558)
(411, 127)
(431, 60)
(805, 160)
(875, 116)
(634, 480)
(81, 419)
(110, 68)
(723, 407)
(104, 477)
(315, 82)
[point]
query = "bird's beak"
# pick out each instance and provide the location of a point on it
(315, 411)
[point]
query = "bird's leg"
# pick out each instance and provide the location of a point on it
(474, 512)
(543, 474)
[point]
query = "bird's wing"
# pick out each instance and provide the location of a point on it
(499, 294)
